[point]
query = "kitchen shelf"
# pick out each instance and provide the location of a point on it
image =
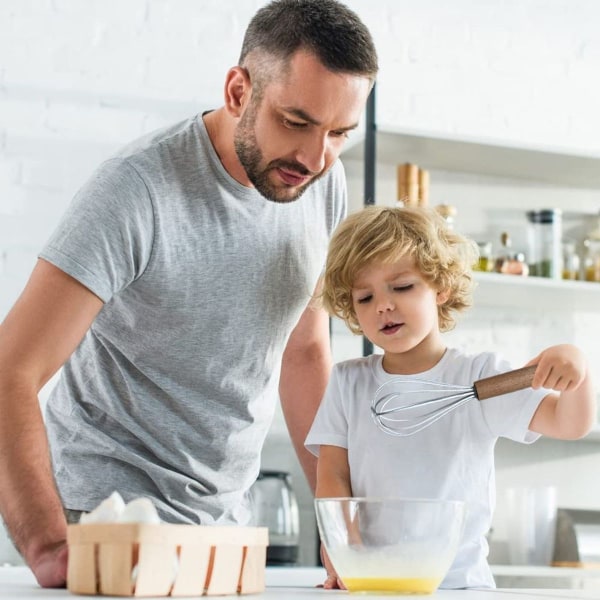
(559, 166)
(514, 291)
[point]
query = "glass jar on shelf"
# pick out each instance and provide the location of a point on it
(448, 213)
(545, 234)
(509, 262)
(485, 261)
(571, 263)
(591, 266)
(591, 260)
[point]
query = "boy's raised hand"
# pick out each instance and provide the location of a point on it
(561, 368)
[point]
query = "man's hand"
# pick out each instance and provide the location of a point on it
(50, 567)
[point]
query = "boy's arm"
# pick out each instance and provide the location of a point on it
(333, 473)
(333, 481)
(571, 413)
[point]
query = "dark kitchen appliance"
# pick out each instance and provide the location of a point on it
(577, 538)
(276, 507)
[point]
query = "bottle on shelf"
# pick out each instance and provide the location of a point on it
(408, 184)
(423, 187)
(413, 185)
(509, 262)
(591, 266)
(448, 212)
(571, 262)
(485, 262)
(544, 236)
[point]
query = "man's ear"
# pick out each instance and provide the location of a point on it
(237, 91)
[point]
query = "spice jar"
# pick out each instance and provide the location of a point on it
(544, 235)
(571, 263)
(591, 244)
(485, 262)
(508, 262)
(448, 213)
(592, 259)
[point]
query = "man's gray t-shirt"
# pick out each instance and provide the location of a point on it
(172, 390)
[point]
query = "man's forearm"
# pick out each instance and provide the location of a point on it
(29, 501)
(302, 386)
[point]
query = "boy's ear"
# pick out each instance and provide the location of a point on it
(237, 90)
(442, 297)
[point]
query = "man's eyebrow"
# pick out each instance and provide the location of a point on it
(301, 114)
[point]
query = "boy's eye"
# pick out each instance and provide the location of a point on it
(403, 288)
(363, 299)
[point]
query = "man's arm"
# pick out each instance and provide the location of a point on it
(38, 335)
(305, 371)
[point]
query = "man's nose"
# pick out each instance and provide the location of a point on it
(313, 153)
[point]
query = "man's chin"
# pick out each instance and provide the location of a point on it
(283, 195)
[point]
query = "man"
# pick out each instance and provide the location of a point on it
(176, 293)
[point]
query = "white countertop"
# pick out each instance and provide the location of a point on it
(290, 584)
(541, 571)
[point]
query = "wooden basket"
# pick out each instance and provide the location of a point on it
(136, 559)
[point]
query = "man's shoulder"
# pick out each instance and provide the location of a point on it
(169, 137)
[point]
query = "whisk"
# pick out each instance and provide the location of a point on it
(403, 407)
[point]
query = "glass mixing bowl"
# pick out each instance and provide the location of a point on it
(390, 545)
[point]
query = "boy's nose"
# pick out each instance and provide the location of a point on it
(385, 304)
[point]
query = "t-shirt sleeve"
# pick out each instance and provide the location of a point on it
(104, 239)
(330, 426)
(509, 415)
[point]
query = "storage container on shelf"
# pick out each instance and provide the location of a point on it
(591, 268)
(571, 262)
(545, 237)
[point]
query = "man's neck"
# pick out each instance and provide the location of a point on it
(221, 129)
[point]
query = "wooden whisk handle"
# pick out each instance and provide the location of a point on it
(504, 383)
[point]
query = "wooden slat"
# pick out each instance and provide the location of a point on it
(226, 570)
(193, 567)
(156, 569)
(252, 579)
(114, 566)
(81, 569)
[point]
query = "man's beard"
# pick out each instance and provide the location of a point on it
(250, 156)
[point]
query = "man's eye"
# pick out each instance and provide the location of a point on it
(340, 134)
(293, 124)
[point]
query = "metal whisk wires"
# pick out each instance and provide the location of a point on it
(404, 406)
(400, 409)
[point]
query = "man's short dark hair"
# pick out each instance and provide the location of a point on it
(327, 28)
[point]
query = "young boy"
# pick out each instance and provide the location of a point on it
(397, 275)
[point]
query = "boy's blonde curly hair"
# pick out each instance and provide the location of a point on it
(385, 234)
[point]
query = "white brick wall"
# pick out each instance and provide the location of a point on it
(79, 78)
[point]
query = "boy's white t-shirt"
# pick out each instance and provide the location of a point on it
(451, 459)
